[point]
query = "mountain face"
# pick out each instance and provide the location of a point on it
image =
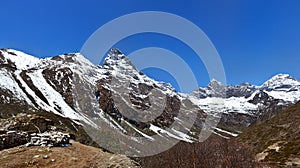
(116, 97)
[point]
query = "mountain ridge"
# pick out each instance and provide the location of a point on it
(71, 86)
(281, 77)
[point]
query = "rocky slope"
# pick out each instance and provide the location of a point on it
(276, 140)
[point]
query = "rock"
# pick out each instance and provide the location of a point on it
(26, 123)
(36, 156)
(41, 123)
(2, 131)
(11, 132)
(49, 139)
(12, 139)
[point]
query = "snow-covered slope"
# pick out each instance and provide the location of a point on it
(24, 76)
(19, 59)
(282, 87)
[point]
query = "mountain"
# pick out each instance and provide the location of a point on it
(246, 104)
(115, 97)
(276, 140)
(117, 100)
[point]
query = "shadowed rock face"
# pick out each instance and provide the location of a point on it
(1, 58)
(4, 62)
(124, 92)
(61, 80)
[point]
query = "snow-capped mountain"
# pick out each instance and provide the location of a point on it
(242, 97)
(135, 100)
(120, 97)
(244, 104)
(42, 83)
(113, 97)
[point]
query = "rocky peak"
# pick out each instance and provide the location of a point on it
(115, 53)
(215, 84)
(117, 61)
(216, 89)
(113, 56)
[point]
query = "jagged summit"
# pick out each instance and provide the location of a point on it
(215, 82)
(117, 61)
(113, 56)
(215, 85)
(115, 53)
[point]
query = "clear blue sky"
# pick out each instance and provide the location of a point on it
(255, 39)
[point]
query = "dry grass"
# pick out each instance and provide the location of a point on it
(214, 152)
(283, 129)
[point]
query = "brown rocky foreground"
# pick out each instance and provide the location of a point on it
(75, 156)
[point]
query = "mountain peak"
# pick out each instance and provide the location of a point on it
(113, 57)
(280, 80)
(214, 83)
(117, 60)
(115, 54)
(282, 76)
(73, 58)
(20, 59)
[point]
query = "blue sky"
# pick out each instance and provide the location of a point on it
(255, 39)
